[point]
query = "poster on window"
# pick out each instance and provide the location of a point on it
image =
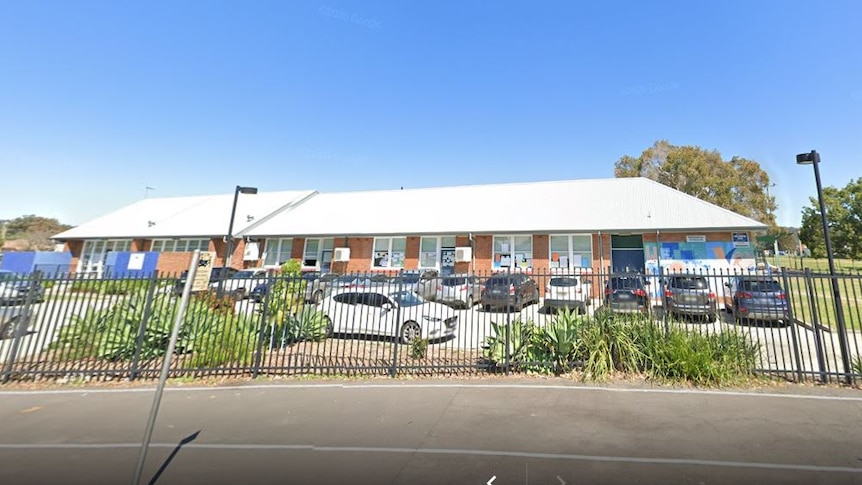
(381, 259)
(397, 260)
(447, 257)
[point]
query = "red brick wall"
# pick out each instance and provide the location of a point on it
(483, 252)
(173, 263)
(74, 247)
(463, 242)
(411, 256)
(138, 245)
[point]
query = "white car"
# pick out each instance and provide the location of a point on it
(240, 284)
(400, 314)
(567, 292)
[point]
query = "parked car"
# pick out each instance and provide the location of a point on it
(756, 298)
(568, 292)
(690, 295)
(239, 284)
(14, 289)
(400, 314)
(422, 282)
(627, 294)
(509, 290)
(218, 273)
(318, 286)
(459, 290)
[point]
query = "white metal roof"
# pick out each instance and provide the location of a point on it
(621, 205)
(197, 216)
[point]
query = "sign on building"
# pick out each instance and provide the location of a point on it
(740, 239)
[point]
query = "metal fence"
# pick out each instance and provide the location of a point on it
(378, 324)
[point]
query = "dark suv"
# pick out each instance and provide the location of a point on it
(509, 290)
(627, 294)
(690, 295)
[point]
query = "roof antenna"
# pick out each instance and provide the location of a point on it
(402, 187)
(147, 191)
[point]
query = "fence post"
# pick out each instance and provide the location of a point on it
(142, 329)
(23, 323)
(664, 309)
(264, 310)
(508, 325)
(792, 324)
(393, 372)
(815, 317)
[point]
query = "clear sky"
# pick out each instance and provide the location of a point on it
(101, 99)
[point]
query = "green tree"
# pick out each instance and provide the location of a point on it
(738, 184)
(844, 215)
(36, 230)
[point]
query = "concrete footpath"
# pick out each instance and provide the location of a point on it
(433, 432)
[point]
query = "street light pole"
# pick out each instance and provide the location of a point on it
(229, 249)
(813, 158)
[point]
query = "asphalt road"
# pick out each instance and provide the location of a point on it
(430, 433)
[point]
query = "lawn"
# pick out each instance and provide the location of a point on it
(850, 288)
(818, 264)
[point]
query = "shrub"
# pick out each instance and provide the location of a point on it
(608, 343)
(418, 348)
(110, 287)
(520, 334)
(857, 366)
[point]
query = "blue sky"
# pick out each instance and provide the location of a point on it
(100, 99)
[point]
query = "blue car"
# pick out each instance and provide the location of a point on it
(757, 298)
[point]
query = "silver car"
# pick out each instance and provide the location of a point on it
(459, 290)
(422, 283)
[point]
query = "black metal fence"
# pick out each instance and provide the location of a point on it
(377, 324)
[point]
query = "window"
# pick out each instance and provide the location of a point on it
(433, 249)
(179, 245)
(95, 251)
(277, 251)
(389, 252)
(513, 252)
(318, 253)
(570, 252)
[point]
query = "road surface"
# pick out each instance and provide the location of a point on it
(432, 432)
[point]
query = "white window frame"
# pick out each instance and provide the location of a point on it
(390, 243)
(179, 245)
(276, 246)
(569, 253)
(512, 252)
(92, 261)
(321, 249)
(438, 251)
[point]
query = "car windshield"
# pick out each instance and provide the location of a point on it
(689, 283)
(345, 279)
(310, 276)
(762, 286)
(243, 275)
(564, 282)
(500, 281)
(407, 298)
(454, 281)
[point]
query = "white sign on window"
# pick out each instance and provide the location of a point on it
(695, 239)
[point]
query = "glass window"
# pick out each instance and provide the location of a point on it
(94, 252)
(570, 252)
(447, 241)
(389, 252)
(428, 252)
(277, 251)
(177, 245)
(318, 253)
(513, 252)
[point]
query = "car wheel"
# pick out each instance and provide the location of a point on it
(582, 309)
(410, 331)
(486, 308)
(329, 329)
(469, 301)
(7, 330)
(316, 297)
(238, 294)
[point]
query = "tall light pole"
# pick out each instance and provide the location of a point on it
(229, 250)
(775, 242)
(813, 158)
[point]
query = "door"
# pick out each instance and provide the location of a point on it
(447, 261)
(627, 254)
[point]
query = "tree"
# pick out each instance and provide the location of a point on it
(36, 230)
(738, 184)
(844, 215)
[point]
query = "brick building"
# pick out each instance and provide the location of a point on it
(629, 224)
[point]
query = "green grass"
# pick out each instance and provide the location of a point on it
(850, 289)
(816, 264)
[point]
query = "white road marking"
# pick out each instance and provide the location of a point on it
(441, 451)
(364, 386)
